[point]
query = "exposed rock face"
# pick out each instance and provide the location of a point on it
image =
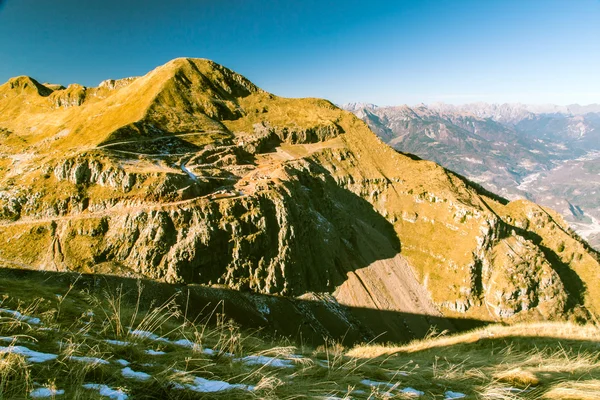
(191, 174)
(112, 84)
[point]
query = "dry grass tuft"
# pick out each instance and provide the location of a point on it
(15, 376)
(517, 377)
(588, 390)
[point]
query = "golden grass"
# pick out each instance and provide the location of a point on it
(517, 377)
(588, 390)
(531, 361)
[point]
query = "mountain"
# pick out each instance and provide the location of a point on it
(548, 154)
(192, 175)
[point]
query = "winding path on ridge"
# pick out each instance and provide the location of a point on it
(267, 164)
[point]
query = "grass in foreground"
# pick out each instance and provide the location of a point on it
(67, 343)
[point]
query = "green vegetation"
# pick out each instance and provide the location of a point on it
(154, 351)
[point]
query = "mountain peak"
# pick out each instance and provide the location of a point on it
(26, 84)
(208, 74)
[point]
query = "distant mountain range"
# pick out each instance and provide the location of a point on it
(546, 153)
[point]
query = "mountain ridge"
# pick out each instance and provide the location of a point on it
(511, 158)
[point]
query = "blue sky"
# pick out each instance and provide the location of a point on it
(384, 52)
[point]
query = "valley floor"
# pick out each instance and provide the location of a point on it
(62, 342)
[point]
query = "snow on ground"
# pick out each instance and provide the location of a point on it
(115, 394)
(8, 339)
(147, 335)
(202, 385)
(369, 382)
(407, 391)
(186, 343)
(21, 317)
(412, 392)
(154, 352)
(30, 355)
(117, 342)
(122, 362)
(180, 342)
(40, 393)
(264, 360)
(131, 374)
(89, 360)
(454, 395)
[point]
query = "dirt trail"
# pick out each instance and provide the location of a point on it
(266, 165)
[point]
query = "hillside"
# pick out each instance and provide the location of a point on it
(547, 154)
(77, 341)
(193, 175)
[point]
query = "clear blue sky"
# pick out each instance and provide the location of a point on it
(384, 52)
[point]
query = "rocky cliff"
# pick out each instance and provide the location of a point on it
(191, 174)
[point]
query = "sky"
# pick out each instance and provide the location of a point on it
(382, 52)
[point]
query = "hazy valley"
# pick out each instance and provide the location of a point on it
(548, 154)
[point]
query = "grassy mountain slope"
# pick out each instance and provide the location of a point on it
(72, 341)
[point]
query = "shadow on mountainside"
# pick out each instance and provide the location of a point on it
(302, 321)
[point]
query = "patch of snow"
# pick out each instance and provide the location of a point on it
(154, 352)
(89, 360)
(117, 342)
(202, 385)
(131, 374)
(187, 171)
(369, 382)
(454, 395)
(8, 339)
(211, 352)
(122, 362)
(45, 392)
(21, 317)
(412, 392)
(264, 360)
(147, 335)
(185, 343)
(143, 334)
(32, 356)
(115, 394)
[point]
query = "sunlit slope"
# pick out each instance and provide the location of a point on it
(193, 174)
(87, 337)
